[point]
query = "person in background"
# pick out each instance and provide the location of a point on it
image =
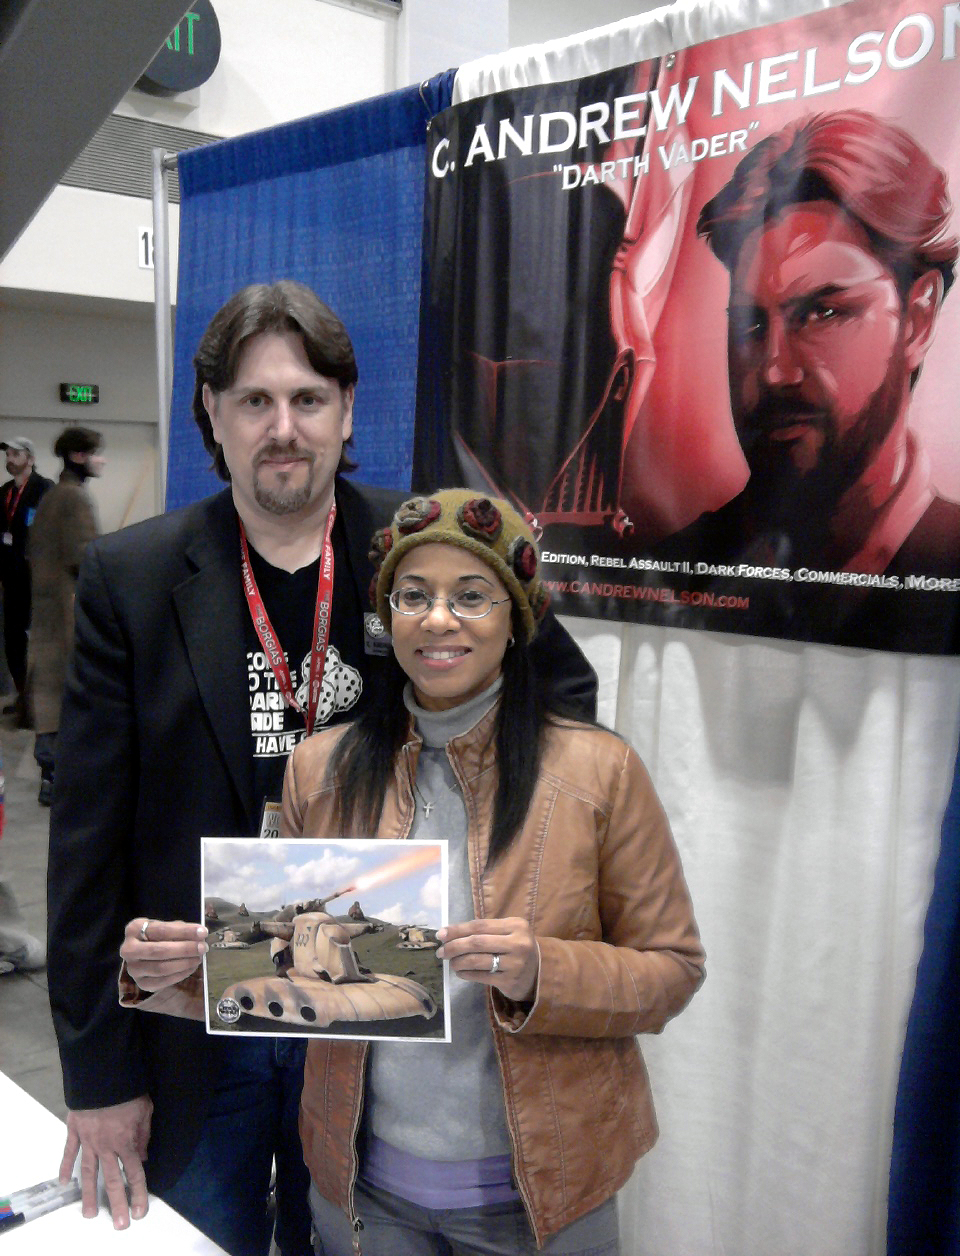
(19, 499)
(64, 524)
(574, 930)
(209, 642)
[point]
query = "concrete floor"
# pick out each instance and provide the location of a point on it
(28, 1047)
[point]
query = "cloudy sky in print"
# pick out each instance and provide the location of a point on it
(402, 882)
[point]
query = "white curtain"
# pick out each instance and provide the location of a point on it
(806, 786)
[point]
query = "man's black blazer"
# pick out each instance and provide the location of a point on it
(154, 753)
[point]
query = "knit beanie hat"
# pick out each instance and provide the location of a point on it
(487, 527)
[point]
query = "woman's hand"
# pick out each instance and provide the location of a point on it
(171, 950)
(500, 953)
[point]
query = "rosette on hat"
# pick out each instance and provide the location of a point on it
(416, 514)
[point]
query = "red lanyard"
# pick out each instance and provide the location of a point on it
(321, 624)
(16, 502)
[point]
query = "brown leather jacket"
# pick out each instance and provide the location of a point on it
(597, 874)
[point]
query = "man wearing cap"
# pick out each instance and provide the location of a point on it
(19, 499)
(208, 643)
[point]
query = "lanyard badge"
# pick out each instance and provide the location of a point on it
(321, 625)
(12, 510)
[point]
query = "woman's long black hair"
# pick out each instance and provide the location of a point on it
(363, 761)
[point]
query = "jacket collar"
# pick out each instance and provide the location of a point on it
(210, 608)
(474, 751)
(215, 536)
(356, 515)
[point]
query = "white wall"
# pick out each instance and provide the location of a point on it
(534, 21)
(41, 348)
(438, 35)
(280, 60)
(86, 244)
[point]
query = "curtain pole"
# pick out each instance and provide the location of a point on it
(162, 163)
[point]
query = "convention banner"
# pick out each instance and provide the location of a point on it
(696, 317)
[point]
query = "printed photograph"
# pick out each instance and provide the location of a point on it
(325, 938)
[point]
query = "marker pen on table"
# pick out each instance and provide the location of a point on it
(29, 1194)
(68, 1193)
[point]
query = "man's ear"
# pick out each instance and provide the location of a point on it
(210, 405)
(346, 395)
(920, 316)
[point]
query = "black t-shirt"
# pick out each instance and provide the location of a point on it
(290, 599)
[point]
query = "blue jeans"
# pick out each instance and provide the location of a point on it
(252, 1118)
(45, 753)
(395, 1227)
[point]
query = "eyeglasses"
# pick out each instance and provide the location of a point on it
(467, 604)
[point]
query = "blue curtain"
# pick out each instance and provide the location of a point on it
(924, 1213)
(335, 201)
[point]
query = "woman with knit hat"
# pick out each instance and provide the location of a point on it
(573, 932)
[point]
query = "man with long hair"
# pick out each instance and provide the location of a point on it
(836, 233)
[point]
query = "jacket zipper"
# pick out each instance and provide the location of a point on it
(480, 908)
(355, 1222)
(521, 1187)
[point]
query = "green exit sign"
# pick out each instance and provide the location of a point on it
(188, 57)
(80, 394)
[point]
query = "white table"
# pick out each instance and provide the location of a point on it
(31, 1146)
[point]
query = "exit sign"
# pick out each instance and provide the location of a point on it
(80, 394)
(188, 56)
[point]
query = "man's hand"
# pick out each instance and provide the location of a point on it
(472, 946)
(113, 1136)
(171, 951)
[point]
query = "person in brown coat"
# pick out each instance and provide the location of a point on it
(65, 522)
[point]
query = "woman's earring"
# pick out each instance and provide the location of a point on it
(510, 641)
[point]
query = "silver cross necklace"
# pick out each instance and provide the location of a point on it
(429, 806)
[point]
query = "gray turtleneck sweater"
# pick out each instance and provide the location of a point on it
(443, 1101)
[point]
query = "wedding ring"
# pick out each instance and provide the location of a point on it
(495, 964)
(143, 931)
